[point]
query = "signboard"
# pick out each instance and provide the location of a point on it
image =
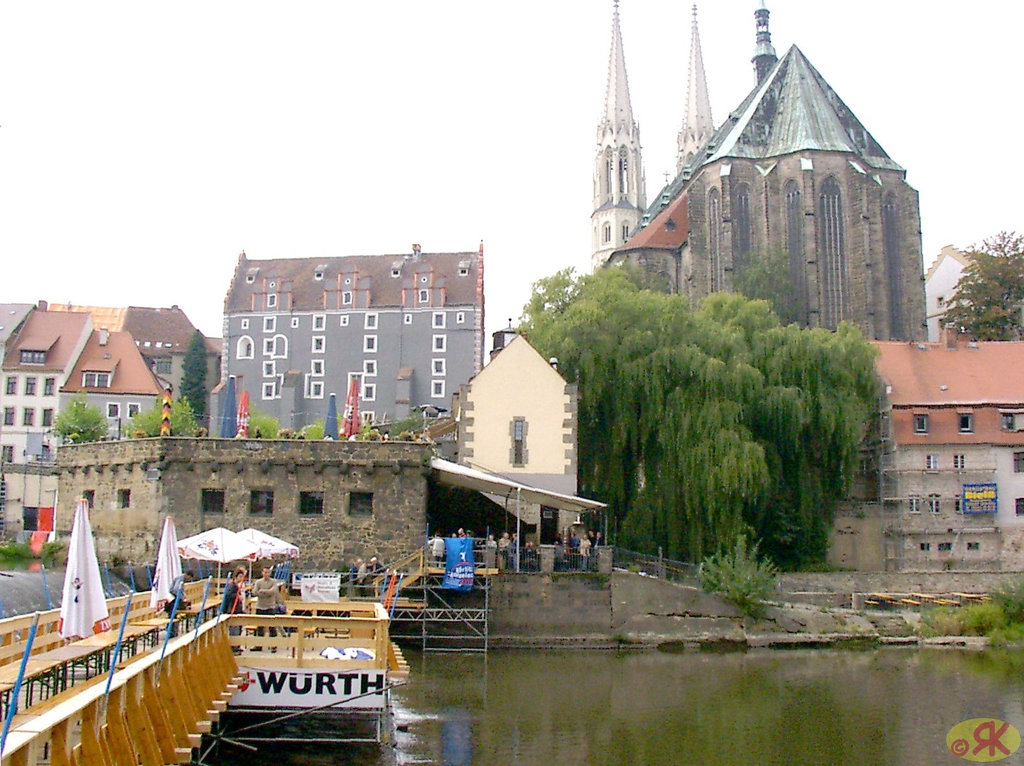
(319, 586)
(286, 688)
(980, 498)
(458, 565)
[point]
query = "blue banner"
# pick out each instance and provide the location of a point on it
(458, 564)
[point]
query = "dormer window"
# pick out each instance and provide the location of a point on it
(96, 380)
(31, 357)
(250, 275)
(318, 274)
(463, 268)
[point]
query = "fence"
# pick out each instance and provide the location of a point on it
(657, 566)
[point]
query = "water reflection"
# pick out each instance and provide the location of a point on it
(890, 706)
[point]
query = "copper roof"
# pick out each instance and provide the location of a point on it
(131, 374)
(102, 316)
(932, 374)
(298, 278)
(55, 333)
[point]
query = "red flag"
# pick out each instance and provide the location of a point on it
(243, 416)
(350, 424)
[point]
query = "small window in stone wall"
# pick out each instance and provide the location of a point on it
(124, 498)
(212, 501)
(974, 546)
(945, 547)
(90, 497)
(261, 502)
(360, 504)
(311, 503)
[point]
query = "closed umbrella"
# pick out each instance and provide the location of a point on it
(243, 415)
(350, 420)
(83, 608)
(228, 424)
(331, 421)
(168, 566)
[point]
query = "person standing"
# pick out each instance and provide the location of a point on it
(267, 593)
(585, 552)
(234, 600)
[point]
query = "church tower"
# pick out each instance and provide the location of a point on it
(619, 197)
(697, 124)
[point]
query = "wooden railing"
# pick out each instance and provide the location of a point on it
(155, 714)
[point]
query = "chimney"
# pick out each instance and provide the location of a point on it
(951, 334)
(42, 305)
(415, 251)
(104, 336)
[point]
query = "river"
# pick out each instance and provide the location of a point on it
(766, 707)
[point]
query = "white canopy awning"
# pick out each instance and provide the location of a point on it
(455, 475)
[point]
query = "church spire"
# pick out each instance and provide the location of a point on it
(698, 124)
(619, 196)
(617, 109)
(764, 53)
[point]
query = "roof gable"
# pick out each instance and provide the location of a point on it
(118, 356)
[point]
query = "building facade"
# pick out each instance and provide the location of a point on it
(518, 419)
(792, 177)
(409, 327)
(940, 282)
(952, 455)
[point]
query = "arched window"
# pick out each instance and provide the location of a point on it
(609, 172)
(244, 348)
(280, 347)
(607, 233)
(832, 258)
(795, 238)
(893, 268)
(625, 232)
(741, 235)
(623, 173)
(714, 240)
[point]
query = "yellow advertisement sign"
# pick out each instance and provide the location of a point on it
(983, 740)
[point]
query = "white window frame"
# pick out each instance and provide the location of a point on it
(240, 348)
(959, 461)
(934, 503)
(134, 408)
(346, 298)
(316, 368)
(439, 343)
(437, 389)
(316, 389)
(284, 347)
(369, 344)
(344, 321)
(460, 317)
(367, 416)
(319, 322)
(269, 390)
(244, 325)
(295, 323)
(113, 410)
(269, 324)
(407, 319)
(931, 462)
(369, 392)
(269, 369)
(438, 367)
(423, 295)
(370, 320)
(271, 300)
(268, 346)
(370, 368)
(915, 503)
(318, 344)
(438, 320)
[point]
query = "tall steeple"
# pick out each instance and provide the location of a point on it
(764, 53)
(619, 197)
(697, 124)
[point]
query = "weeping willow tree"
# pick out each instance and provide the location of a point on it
(697, 426)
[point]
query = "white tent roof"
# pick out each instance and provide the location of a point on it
(220, 545)
(455, 475)
(268, 544)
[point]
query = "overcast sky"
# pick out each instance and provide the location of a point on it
(144, 145)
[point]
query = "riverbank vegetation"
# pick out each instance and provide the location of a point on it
(740, 577)
(1001, 618)
(697, 425)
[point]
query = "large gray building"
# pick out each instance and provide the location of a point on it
(409, 327)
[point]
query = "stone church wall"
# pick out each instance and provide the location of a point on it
(134, 483)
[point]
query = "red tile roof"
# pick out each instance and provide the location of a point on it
(56, 333)
(131, 374)
(930, 374)
(668, 230)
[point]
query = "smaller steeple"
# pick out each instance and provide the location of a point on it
(697, 124)
(764, 53)
(618, 112)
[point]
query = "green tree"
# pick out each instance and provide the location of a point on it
(262, 425)
(147, 422)
(989, 298)
(193, 381)
(769, 278)
(698, 426)
(80, 421)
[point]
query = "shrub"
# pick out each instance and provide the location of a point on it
(1010, 598)
(982, 619)
(14, 552)
(740, 577)
(942, 621)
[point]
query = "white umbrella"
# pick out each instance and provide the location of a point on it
(220, 545)
(269, 545)
(168, 567)
(83, 607)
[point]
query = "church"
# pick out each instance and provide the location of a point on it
(790, 181)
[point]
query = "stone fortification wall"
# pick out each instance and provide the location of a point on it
(335, 500)
(546, 605)
(836, 588)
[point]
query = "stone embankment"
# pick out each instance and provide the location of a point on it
(630, 610)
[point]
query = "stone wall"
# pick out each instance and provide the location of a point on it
(844, 584)
(135, 482)
(564, 605)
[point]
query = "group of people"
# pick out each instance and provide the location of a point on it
(266, 591)
(361, 574)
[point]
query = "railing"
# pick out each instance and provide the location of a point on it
(657, 566)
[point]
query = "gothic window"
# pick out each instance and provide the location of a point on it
(609, 172)
(893, 272)
(795, 237)
(607, 233)
(714, 241)
(623, 173)
(832, 258)
(741, 235)
(625, 232)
